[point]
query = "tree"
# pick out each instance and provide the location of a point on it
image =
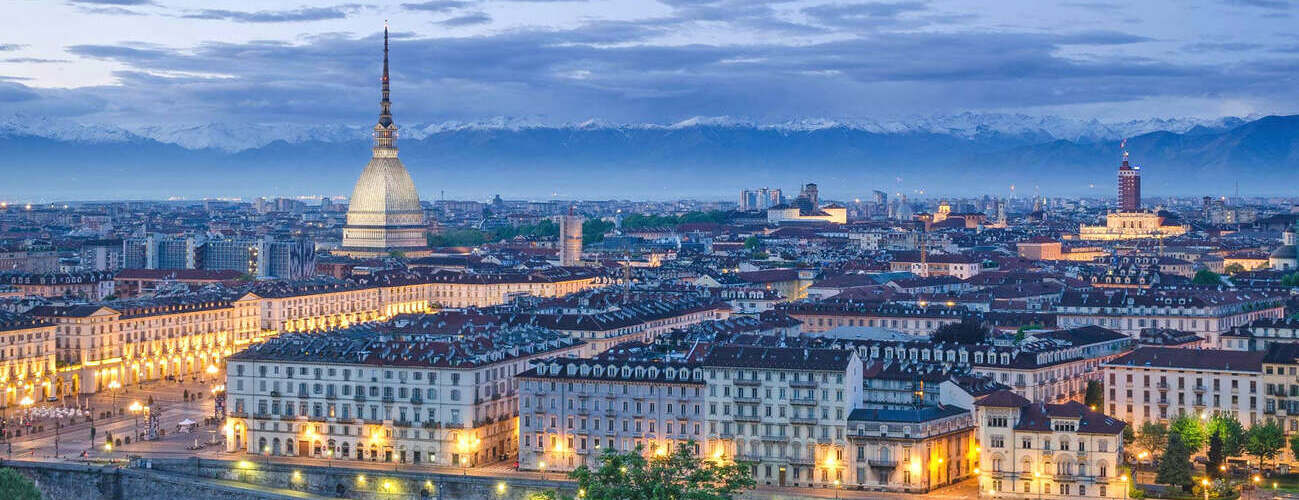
(752, 243)
(1264, 441)
(1232, 433)
(1206, 277)
(1294, 445)
(1175, 469)
(679, 474)
(1191, 431)
(1216, 457)
(593, 230)
(1095, 397)
(1152, 438)
(1291, 279)
(968, 331)
(15, 486)
(1234, 268)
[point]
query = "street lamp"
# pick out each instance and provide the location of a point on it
(837, 484)
(135, 409)
(112, 388)
(1038, 476)
(1256, 480)
(1204, 484)
(212, 370)
(1124, 480)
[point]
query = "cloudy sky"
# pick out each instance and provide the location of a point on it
(134, 62)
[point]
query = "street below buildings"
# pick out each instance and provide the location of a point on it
(73, 437)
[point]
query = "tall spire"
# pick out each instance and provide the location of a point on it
(385, 133)
(385, 113)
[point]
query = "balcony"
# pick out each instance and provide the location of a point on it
(275, 394)
(748, 381)
(1163, 386)
(882, 462)
(778, 439)
(1163, 402)
(802, 384)
(416, 401)
(303, 395)
(389, 399)
(401, 423)
(1200, 388)
(747, 400)
(802, 402)
(802, 420)
(360, 398)
(748, 418)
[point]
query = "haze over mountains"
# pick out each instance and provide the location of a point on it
(702, 157)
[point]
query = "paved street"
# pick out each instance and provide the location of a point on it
(74, 438)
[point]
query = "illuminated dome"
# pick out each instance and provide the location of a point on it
(384, 216)
(384, 196)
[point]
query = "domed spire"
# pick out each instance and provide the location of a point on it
(385, 133)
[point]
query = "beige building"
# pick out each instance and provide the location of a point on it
(324, 304)
(1130, 226)
(27, 359)
(148, 339)
(1048, 451)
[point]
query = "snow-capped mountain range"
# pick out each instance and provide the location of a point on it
(230, 137)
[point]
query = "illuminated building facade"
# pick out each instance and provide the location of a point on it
(911, 449)
(359, 395)
(320, 304)
(1047, 451)
(147, 339)
(27, 359)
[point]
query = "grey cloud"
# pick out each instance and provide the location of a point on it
(114, 2)
(304, 14)
(436, 5)
(33, 60)
(470, 19)
(857, 13)
(1221, 47)
(1264, 4)
(6, 47)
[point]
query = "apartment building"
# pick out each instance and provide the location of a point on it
(784, 410)
(1207, 313)
(825, 315)
(1048, 451)
(1157, 384)
(326, 303)
(912, 449)
(137, 340)
(570, 410)
(362, 395)
(27, 359)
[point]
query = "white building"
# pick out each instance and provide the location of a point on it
(360, 395)
(783, 409)
(571, 410)
(1156, 384)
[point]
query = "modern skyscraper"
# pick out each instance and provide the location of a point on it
(1129, 186)
(384, 214)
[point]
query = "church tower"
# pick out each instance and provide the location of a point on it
(384, 216)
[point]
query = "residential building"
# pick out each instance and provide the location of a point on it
(1048, 451)
(1158, 384)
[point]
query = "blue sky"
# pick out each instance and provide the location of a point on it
(163, 62)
